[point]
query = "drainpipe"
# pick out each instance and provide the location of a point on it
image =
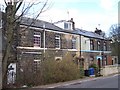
(44, 39)
(80, 46)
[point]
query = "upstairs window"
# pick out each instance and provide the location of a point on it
(37, 39)
(73, 43)
(0, 23)
(57, 41)
(98, 45)
(91, 45)
(104, 46)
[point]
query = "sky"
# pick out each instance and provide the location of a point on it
(87, 14)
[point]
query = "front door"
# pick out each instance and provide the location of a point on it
(99, 63)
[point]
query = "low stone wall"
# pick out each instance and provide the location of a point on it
(110, 69)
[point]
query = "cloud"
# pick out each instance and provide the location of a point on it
(108, 4)
(84, 20)
(72, 1)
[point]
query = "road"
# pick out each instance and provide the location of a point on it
(105, 82)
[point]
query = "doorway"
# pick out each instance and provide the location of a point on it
(99, 63)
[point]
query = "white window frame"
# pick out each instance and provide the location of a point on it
(69, 25)
(91, 45)
(98, 45)
(74, 40)
(66, 24)
(0, 23)
(38, 36)
(57, 37)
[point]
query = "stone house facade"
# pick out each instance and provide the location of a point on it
(44, 41)
(94, 49)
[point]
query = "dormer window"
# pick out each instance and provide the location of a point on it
(67, 25)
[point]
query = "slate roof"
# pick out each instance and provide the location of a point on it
(39, 24)
(51, 26)
(88, 33)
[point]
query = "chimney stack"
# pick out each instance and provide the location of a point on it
(73, 24)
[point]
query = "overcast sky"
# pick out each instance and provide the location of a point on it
(87, 14)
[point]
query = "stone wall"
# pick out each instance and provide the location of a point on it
(110, 69)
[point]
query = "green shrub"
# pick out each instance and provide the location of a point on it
(95, 67)
(60, 71)
(52, 71)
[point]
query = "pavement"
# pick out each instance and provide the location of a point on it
(55, 85)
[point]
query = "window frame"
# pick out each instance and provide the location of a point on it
(37, 63)
(57, 37)
(37, 35)
(67, 25)
(0, 23)
(74, 40)
(91, 45)
(105, 46)
(98, 45)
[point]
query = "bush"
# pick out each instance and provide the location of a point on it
(52, 71)
(60, 71)
(95, 67)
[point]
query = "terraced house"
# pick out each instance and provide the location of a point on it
(45, 40)
(38, 40)
(95, 48)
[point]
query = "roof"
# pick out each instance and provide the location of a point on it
(42, 24)
(88, 33)
(38, 23)
(51, 26)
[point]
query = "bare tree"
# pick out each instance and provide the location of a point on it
(11, 23)
(115, 36)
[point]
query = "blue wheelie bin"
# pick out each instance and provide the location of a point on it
(91, 71)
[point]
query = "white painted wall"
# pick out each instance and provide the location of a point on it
(61, 25)
(85, 43)
(78, 42)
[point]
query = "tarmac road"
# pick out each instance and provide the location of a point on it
(105, 82)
